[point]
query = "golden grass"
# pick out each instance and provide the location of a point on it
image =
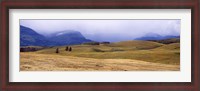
(139, 50)
(52, 62)
(127, 55)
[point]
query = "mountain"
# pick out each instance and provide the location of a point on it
(153, 36)
(67, 37)
(28, 37)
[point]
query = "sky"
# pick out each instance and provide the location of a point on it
(106, 30)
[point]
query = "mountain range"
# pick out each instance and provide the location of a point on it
(154, 36)
(28, 37)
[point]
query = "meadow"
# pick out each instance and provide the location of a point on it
(119, 56)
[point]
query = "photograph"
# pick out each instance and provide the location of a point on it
(100, 44)
(135, 45)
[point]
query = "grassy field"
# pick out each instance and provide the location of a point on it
(120, 56)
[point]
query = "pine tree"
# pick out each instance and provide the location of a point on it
(57, 50)
(66, 49)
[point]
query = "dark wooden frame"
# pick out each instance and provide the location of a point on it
(99, 4)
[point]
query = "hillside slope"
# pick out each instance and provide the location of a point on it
(68, 37)
(29, 37)
(138, 50)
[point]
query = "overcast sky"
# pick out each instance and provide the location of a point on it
(106, 30)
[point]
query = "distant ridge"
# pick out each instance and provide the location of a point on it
(28, 37)
(167, 41)
(153, 36)
(68, 37)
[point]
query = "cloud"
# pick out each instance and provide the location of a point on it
(106, 30)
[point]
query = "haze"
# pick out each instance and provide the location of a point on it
(106, 30)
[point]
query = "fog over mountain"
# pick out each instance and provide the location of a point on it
(106, 30)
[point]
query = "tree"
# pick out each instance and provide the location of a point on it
(66, 49)
(22, 49)
(70, 49)
(57, 50)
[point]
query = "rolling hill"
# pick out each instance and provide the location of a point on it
(167, 41)
(119, 56)
(149, 51)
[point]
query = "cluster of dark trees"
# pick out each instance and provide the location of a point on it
(29, 49)
(66, 49)
(104, 42)
(95, 43)
(167, 41)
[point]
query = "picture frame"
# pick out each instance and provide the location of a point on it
(103, 4)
